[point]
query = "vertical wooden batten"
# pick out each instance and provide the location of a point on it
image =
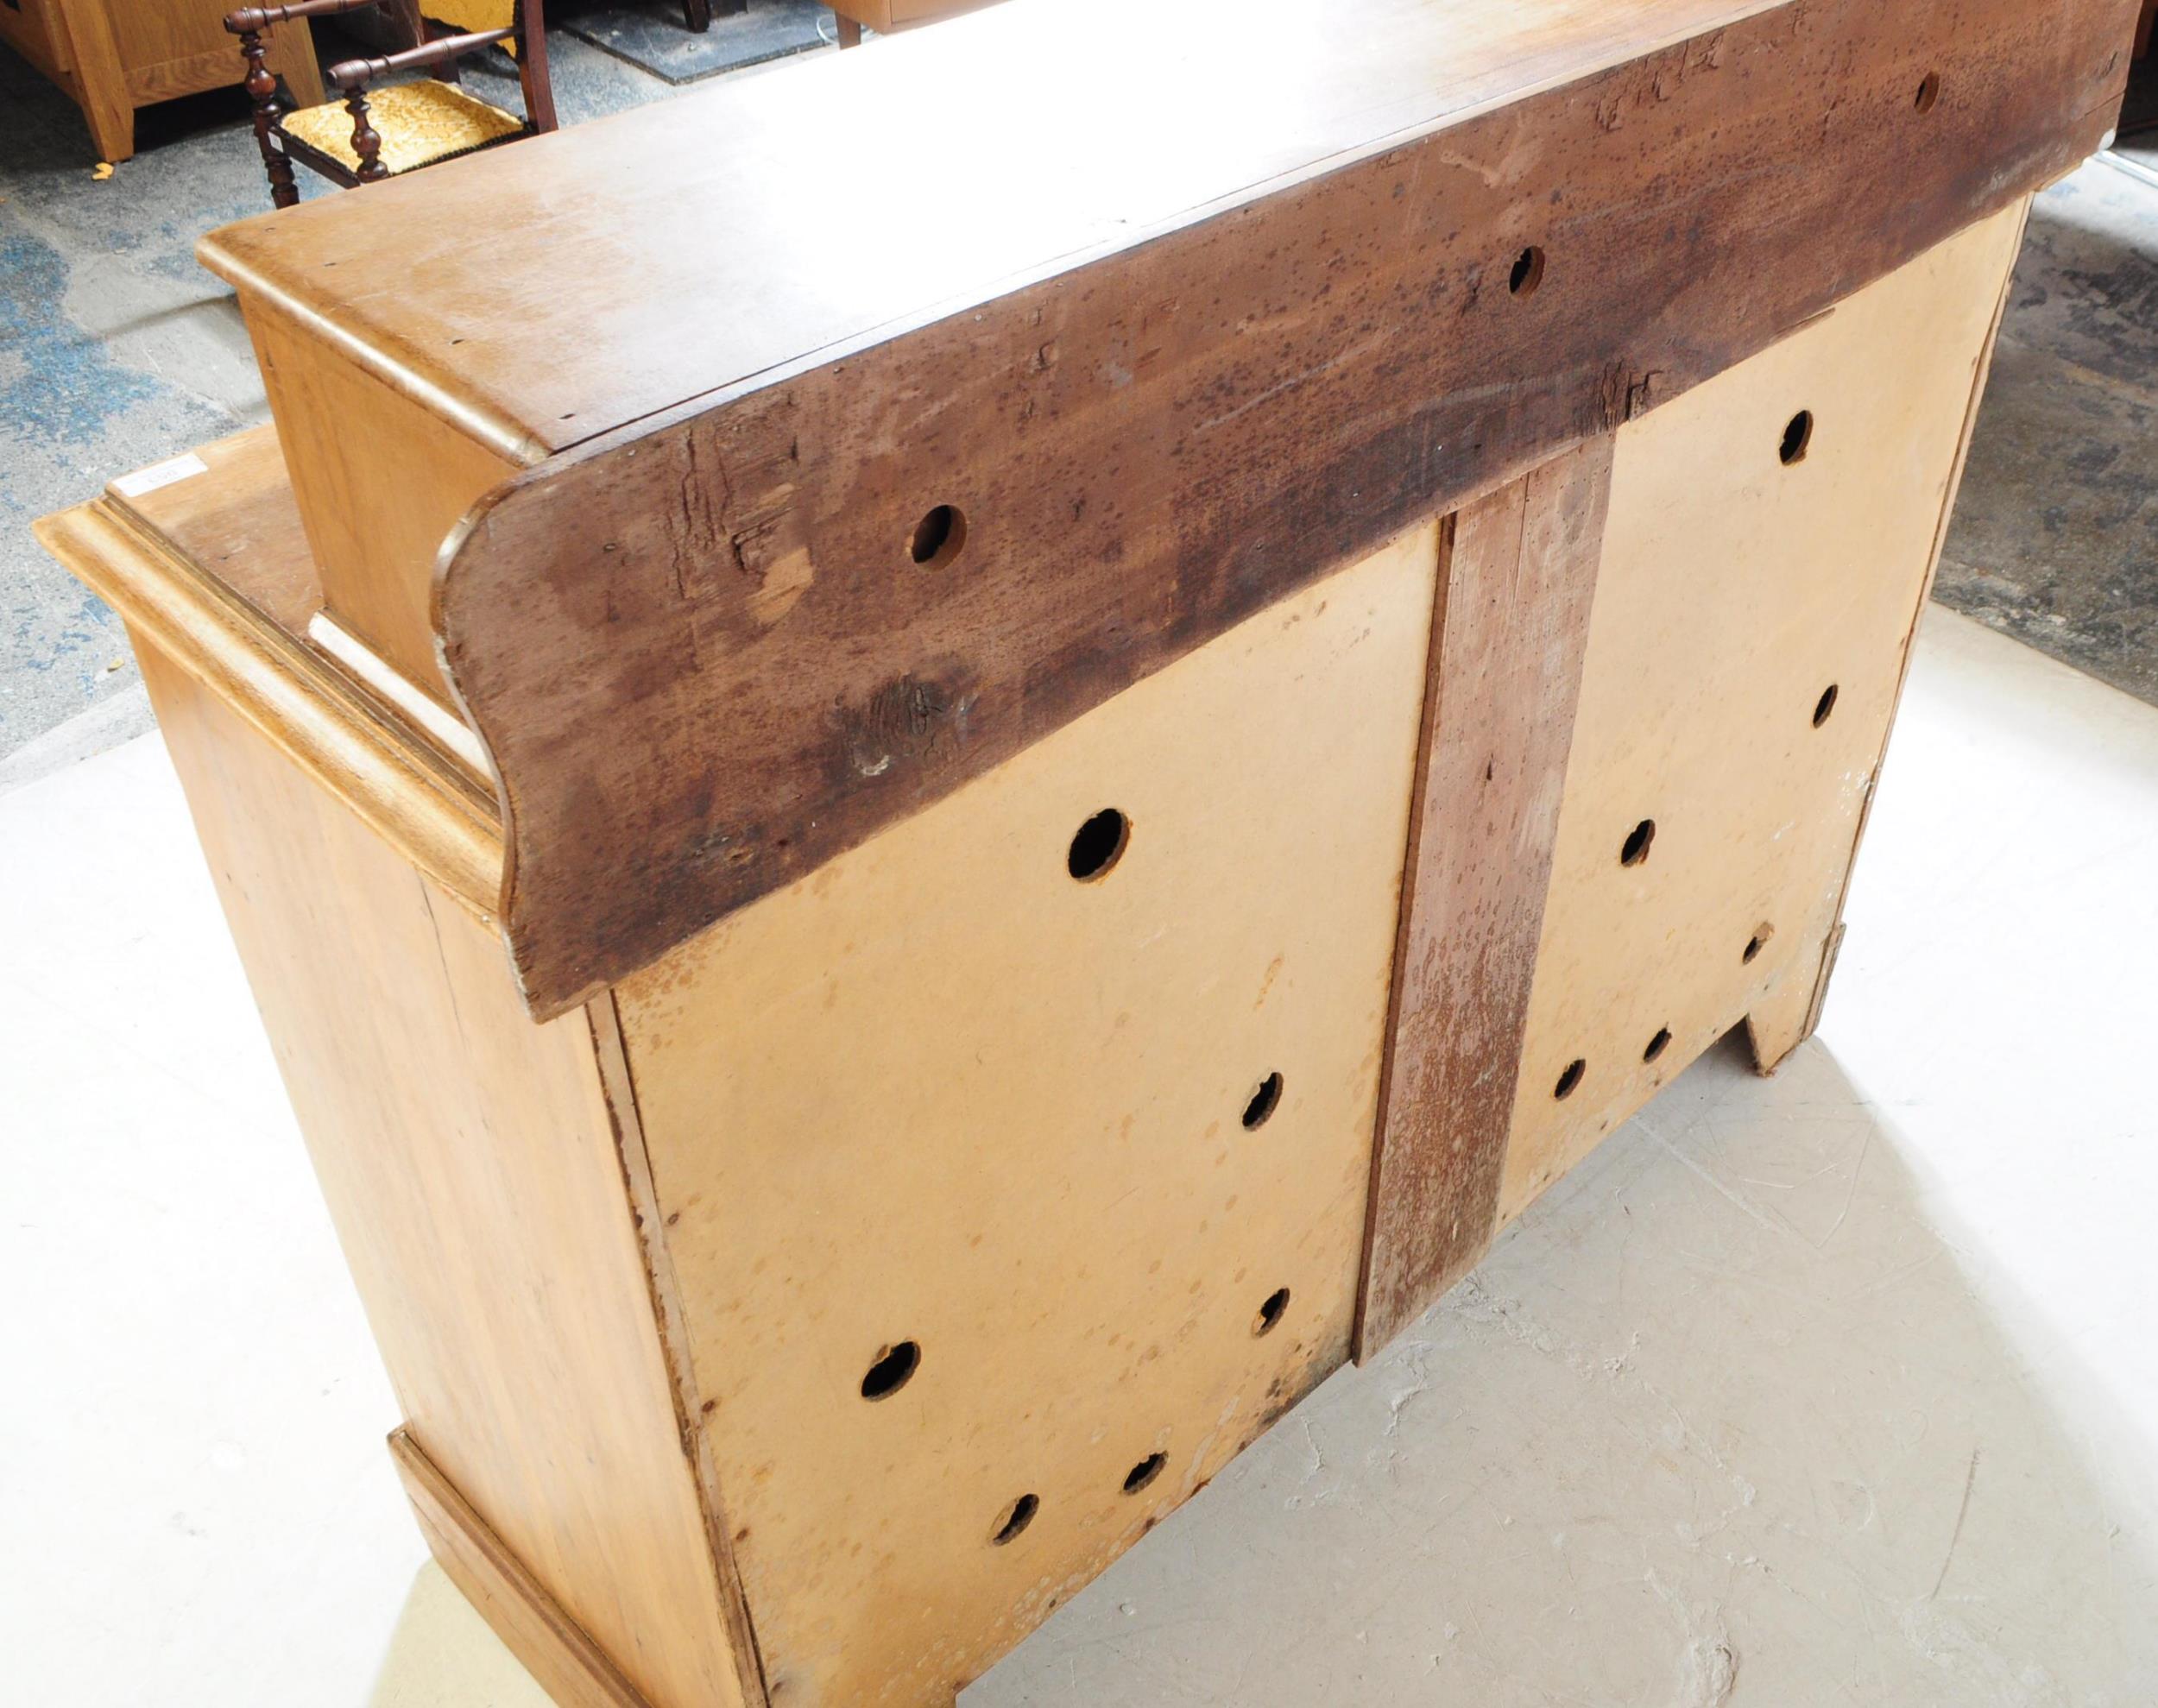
(1510, 625)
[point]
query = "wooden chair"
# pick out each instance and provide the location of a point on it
(406, 125)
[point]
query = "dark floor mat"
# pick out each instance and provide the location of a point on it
(651, 35)
(2055, 534)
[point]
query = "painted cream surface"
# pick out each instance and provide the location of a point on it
(942, 1091)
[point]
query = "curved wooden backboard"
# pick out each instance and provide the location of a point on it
(706, 660)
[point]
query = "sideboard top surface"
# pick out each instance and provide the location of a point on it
(544, 294)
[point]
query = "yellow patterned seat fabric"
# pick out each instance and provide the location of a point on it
(473, 17)
(420, 121)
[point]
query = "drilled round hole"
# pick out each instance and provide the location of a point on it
(938, 537)
(1635, 849)
(1528, 272)
(894, 1370)
(1570, 1078)
(1824, 705)
(1270, 1311)
(1264, 1101)
(1098, 845)
(1928, 91)
(1013, 1519)
(1798, 434)
(1144, 1472)
(1658, 1045)
(1757, 942)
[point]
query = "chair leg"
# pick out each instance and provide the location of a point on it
(367, 141)
(697, 15)
(262, 89)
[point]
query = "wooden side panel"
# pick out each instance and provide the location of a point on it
(1737, 591)
(380, 479)
(705, 657)
(944, 1093)
(1509, 630)
(469, 1164)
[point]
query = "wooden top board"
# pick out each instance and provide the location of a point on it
(1164, 319)
(227, 508)
(205, 559)
(542, 294)
(710, 652)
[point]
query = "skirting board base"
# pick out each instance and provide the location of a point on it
(568, 1665)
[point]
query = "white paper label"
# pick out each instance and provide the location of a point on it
(160, 474)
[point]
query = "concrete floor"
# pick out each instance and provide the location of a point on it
(1836, 1388)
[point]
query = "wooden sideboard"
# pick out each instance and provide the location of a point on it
(896, 915)
(112, 56)
(887, 17)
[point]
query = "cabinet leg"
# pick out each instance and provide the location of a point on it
(98, 76)
(1776, 1027)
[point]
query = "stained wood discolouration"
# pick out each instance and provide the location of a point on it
(1509, 630)
(1150, 447)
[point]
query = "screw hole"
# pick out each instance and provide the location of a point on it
(1144, 1472)
(1798, 434)
(1098, 845)
(938, 537)
(1636, 848)
(1757, 942)
(1570, 1078)
(1824, 705)
(1658, 1045)
(1528, 272)
(1928, 91)
(1270, 1311)
(1013, 1519)
(1264, 1102)
(894, 1370)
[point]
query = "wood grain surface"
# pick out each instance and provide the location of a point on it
(567, 1664)
(548, 293)
(470, 1160)
(1510, 625)
(702, 656)
(212, 571)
